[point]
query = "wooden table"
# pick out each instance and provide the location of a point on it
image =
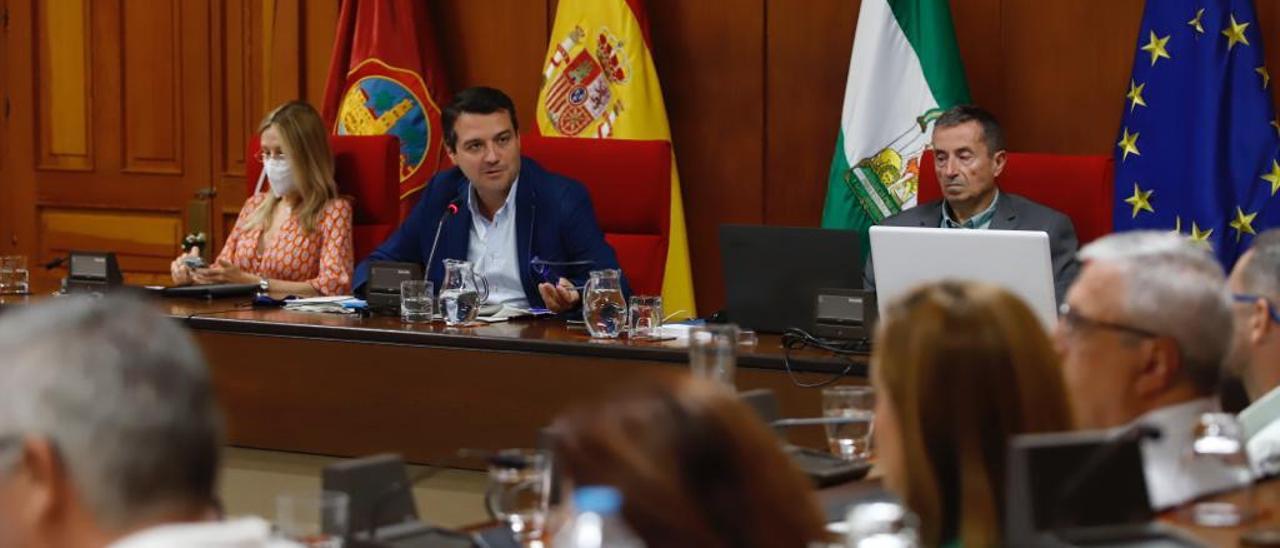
(343, 385)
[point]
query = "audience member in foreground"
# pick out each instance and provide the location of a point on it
(959, 369)
(108, 430)
(1143, 334)
(1255, 285)
(294, 237)
(1255, 351)
(696, 467)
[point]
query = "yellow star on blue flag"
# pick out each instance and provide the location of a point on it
(1206, 139)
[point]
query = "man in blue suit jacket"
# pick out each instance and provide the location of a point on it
(501, 212)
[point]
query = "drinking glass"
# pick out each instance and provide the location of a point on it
(14, 277)
(1220, 441)
(519, 491)
(416, 302)
(850, 438)
(316, 519)
(645, 317)
(713, 352)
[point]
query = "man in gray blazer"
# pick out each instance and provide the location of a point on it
(968, 150)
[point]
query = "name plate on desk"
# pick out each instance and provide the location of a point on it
(384, 285)
(92, 272)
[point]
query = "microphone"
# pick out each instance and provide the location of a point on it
(1074, 485)
(449, 211)
(55, 263)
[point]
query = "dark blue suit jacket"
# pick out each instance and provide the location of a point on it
(554, 222)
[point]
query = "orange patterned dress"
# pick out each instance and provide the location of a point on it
(323, 258)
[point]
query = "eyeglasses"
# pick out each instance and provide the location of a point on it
(551, 271)
(263, 156)
(1074, 321)
(1250, 299)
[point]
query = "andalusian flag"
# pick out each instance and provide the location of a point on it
(904, 72)
(605, 43)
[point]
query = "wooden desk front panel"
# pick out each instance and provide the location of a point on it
(347, 398)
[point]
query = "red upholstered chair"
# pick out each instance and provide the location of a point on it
(630, 187)
(1078, 186)
(367, 169)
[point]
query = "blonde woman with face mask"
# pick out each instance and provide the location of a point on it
(293, 237)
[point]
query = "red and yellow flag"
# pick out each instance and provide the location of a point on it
(607, 43)
(385, 77)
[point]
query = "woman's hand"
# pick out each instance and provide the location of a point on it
(179, 270)
(224, 273)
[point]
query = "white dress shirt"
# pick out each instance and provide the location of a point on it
(492, 250)
(248, 532)
(1261, 424)
(1173, 477)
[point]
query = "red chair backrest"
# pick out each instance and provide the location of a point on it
(367, 169)
(630, 186)
(1078, 186)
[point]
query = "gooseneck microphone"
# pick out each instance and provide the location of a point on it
(449, 211)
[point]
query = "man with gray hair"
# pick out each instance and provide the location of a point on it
(108, 431)
(1143, 333)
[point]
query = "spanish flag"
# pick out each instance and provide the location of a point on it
(610, 39)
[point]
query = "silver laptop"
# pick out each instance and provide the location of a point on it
(1017, 260)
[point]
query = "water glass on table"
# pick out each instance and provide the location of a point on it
(316, 519)
(14, 277)
(645, 317)
(520, 491)
(417, 304)
(713, 352)
(1219, 449)
(849, 439)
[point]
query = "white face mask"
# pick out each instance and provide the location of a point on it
(278, 175)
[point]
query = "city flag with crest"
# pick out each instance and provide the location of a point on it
(599, 81)
(1198, 149)
(385, 77)
(904, 72)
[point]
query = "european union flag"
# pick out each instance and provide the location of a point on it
(1199, 145)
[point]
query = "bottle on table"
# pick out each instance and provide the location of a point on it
(596, 522)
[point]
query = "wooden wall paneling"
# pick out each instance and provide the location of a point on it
(1269, 29)
(806, 65)
(6, 178)
(19, 181)
(977, 24)
(236, 54)
(143, 242)
(499, 44)
(711, 62)
(320, 19)
(282, 70)
(1065, 82)
(65, 99)
(153, 93)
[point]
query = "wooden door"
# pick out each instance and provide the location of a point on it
(116, 102)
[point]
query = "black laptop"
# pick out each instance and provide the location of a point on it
(772, 273)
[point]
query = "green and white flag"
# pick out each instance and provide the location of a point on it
(904, 72)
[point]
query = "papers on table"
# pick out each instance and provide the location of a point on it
(333, 304)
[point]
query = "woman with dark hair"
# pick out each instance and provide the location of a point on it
(295, 236)
(959, 369)
(695, 466)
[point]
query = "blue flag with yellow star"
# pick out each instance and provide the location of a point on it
(1199, 144)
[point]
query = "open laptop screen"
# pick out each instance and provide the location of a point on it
(772, 273)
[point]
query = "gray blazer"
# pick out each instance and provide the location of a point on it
(1013, 212)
